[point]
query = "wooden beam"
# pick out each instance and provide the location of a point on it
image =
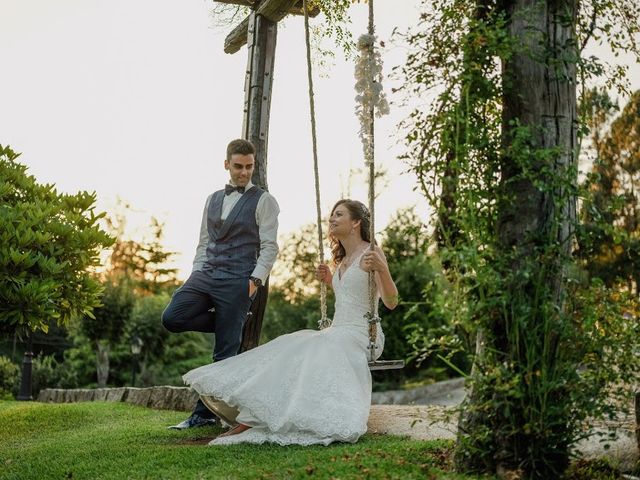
(244, 3)
(237, 38)
(274, 10)
(298, 9)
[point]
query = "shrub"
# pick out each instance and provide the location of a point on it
(9, 378)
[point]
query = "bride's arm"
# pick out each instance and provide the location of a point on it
(376, 261)
(323, 273)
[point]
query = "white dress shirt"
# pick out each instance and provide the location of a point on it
(267, 211)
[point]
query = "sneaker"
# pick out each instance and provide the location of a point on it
(193, 421)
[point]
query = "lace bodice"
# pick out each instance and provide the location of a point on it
(352, 295)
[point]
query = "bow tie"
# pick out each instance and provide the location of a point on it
(229, 189)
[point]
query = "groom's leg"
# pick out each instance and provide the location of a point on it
(201, 410)
(189, 311)
(189, 308)
(231, 300)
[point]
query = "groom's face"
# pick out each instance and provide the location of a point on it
(240, 168)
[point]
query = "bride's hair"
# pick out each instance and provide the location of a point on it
(357, 211)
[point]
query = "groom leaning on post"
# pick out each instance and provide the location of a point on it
(237, 248)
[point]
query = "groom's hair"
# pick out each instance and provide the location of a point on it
(241, 146)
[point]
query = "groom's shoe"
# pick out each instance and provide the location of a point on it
(193, 421)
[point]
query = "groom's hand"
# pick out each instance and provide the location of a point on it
(252, 288)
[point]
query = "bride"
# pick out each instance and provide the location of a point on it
(309, 387)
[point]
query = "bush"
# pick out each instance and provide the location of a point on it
(49, 242)
(46, 372)
(182, 353)
(43, 374)
(9, 378)
(145, 326)
(80, 364)
(284, 316)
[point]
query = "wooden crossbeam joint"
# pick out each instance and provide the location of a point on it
(274, 10)
(296, 9)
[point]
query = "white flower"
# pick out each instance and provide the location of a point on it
(370, 94)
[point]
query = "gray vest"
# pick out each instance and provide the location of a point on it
(235, 243)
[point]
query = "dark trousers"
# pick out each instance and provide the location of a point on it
(205, 304)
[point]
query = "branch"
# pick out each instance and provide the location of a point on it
(592, 27)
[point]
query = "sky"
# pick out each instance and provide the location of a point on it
(137, 100)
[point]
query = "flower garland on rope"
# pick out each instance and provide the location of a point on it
(371, 102)
(370, 95)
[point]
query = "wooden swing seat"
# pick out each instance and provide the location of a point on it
(386, 365)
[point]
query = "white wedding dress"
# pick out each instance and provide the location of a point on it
(308, 387)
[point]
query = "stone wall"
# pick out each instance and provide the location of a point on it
(164, 398)
(447, 393)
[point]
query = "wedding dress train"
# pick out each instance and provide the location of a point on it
(308, 387)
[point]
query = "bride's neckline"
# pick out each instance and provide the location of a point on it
(341, 273)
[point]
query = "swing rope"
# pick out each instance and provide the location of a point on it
(324, 322)
(372, 316)
(371, 101)
(371, 98)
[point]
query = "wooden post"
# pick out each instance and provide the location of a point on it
(259, 32)
(261, 43)
(258, 82)
(253, 325)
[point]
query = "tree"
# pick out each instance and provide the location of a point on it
(419, 319)
(49, 243)
(106, 326)
(609, 235)
(294, 301)
(143, 262)
(133, 269)
(496, 155)
(295, 270)
(144, 324)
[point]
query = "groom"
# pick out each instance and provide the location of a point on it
(236, 251)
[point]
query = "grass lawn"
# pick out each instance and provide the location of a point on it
(95, 440)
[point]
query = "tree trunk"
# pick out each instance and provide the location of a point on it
(540, 93)
(102, 363)
(145, 378)
(447, 230)
(536, 212)
(536, 221)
